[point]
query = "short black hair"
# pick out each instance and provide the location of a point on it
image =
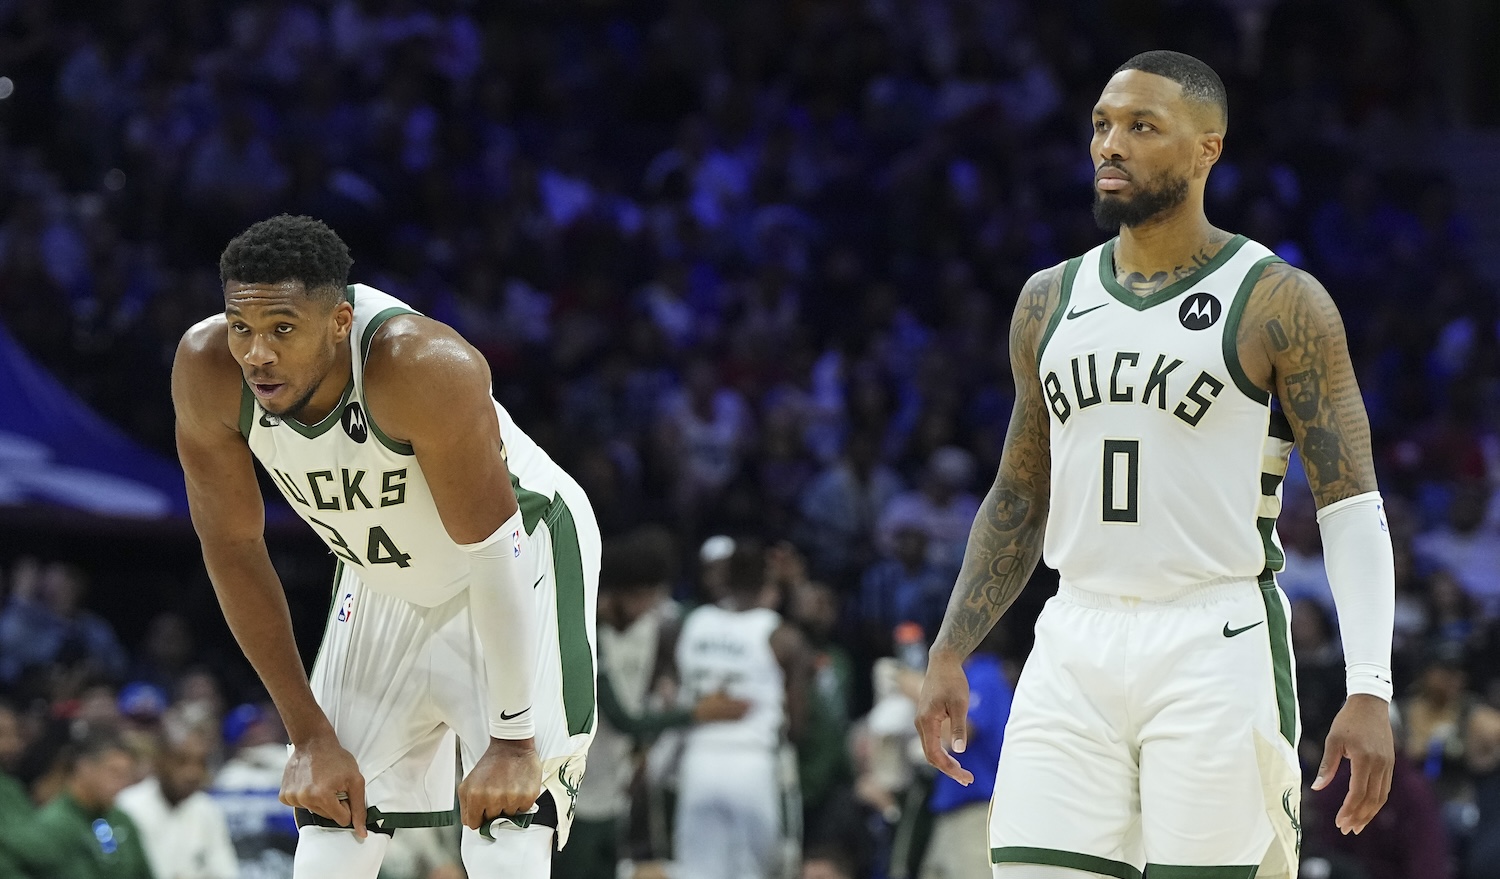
(287, 248)
(93, 742)
(1199, 81)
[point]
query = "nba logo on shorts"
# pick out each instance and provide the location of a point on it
(515, 542)
(346, 608)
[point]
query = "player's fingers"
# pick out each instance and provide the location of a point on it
(356, 804)
(958, 713)
(1377, 770)
(929, 729)
(1333, 750)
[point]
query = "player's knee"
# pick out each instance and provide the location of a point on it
(523, 853)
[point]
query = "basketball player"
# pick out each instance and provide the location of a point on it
(467, 561)
(736, 777)
(1155, 724)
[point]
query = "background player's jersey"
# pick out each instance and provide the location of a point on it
(363, 492)
(1166, 461)
(729, 650)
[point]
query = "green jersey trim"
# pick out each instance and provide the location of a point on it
(365, 341)
(1172, 290)
(1051, 857)
(1168, 871)
(1070, 272)
(316, 430)
(576, 654)
(247, 408)
(1232, 332)
(1281, 658)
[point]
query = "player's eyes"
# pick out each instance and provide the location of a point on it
(239, 328)
(1141, 126)
(1100, 124)
(283, 329)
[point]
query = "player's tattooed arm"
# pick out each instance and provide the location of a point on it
(1005, 541)
(1293, 320)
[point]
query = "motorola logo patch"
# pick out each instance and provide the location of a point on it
(1200, 311)
(354, 423)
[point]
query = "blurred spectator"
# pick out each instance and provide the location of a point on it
(16, 808)
(1468, 545)
(1445, 725)
(44, 623)
(827, 863)
(1320, 675)
(165, 652)
(81, 834)
(905, 586)
(182, 828)
(841, 508)
(248, 788)
(943, 508)
(1304, 575)
(829, 813)
(959, 847)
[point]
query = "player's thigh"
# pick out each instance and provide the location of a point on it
(1066, 786)
(510, 852)
(1220, 781)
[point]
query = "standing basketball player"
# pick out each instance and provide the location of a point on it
(737, 781)
(467, 570)
(1155, 724)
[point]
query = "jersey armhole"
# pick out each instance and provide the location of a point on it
(366, 339)
(1070, 271)
(247, 408)
(1232, 331)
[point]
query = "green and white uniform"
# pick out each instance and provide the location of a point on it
(400, 669)
(1156, 721)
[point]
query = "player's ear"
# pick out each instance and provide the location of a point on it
(1210, 147)
(343, 321)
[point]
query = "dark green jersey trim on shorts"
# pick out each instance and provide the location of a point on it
(1070, 271)
(365, 341)
(1169, 871)
(1051, 857)
(1281, 659)
(577, 655)
(378, 821)
(1232, 332)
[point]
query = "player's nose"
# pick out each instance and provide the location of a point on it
(259, 353)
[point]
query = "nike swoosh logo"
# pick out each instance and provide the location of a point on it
(504, 716)
(1076, 313)
(1230, 633)
(538, 581)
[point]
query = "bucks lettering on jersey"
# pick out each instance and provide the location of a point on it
(730, 651)
(1166, 461)
(363, 492)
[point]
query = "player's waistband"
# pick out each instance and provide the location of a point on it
(1195, 595)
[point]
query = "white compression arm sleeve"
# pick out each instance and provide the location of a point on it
(504, 611)
(1362, 571)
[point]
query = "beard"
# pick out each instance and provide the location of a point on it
(1113, 211)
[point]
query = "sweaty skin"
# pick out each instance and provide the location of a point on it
(430, 389)
(1148, 138)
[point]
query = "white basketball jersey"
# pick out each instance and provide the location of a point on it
(730, 650)
(364, 493)
(1166, 461)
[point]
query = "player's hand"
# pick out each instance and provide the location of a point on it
(1361, 732)
(324, 778)
(506, 781)
(944, 701)
(719, 706)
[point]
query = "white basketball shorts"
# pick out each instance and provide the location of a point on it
(1154, 738)
(398, 681)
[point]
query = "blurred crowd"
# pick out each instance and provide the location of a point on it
(745, 269)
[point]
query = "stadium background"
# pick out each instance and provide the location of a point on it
(721, 255)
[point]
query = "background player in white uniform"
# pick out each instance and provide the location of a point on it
(734, 775)
(467, 561)
(1155, 724)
